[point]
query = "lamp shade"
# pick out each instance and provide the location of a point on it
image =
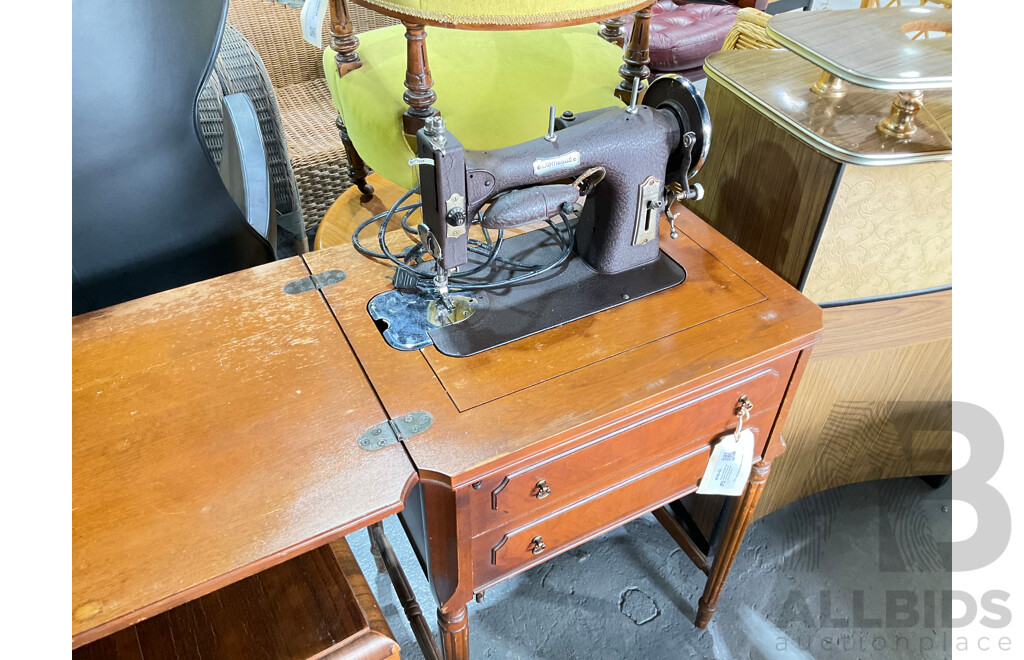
(502, 14)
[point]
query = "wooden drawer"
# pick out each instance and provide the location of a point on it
(499, 555)
(543, 484)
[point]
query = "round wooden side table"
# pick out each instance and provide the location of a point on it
(352, 208)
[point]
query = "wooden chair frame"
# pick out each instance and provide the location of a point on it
(420, 96)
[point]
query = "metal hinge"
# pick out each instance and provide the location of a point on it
(394, 430)
(314, 282)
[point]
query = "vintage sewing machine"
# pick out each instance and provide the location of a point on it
(626, 165)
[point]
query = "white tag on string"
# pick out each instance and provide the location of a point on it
(729, 466)
(312, 19)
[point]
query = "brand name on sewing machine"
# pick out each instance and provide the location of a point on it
(543, 166)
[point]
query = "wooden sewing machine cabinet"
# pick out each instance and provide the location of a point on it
(537, 446)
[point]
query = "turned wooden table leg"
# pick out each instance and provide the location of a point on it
(454, 630)
(735, 529)
(357, 169)
(638, 55)
(375, 551)
(384, 553)
(613, 30)
(344, 43)
(418, 84)
(449, 561)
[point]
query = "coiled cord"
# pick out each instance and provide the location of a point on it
(458, 282)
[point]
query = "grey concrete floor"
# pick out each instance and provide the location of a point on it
(855, 572)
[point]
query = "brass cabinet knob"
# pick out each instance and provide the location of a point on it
(537, 545)
(543, 489)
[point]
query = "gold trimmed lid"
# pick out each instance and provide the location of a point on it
(873, 47)
(777, 83)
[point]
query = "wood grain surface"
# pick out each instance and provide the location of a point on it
(711, 290)
(361, 591)
(777, 84)
(873, 48)
(764, 188)
(507, 495)
(303, 608)
(214, 435)
(462, 445)
(562, 391)
(875, 401)
(512, 551)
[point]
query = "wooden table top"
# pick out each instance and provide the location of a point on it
(777, 84)
(524, 397)
(872, 47)
(215, 432)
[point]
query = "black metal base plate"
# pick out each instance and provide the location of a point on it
(565, 294)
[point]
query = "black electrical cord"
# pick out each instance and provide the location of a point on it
(489, 250)
(566, 253)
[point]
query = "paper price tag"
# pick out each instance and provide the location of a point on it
(312, 19)
(729, 466)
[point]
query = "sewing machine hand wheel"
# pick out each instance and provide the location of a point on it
(678, 95)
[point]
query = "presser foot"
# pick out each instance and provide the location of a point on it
(404, 318)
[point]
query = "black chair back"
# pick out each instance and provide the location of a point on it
(150, 212)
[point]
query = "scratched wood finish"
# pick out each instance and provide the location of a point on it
(214, 435)
(764, 189)
(555, 415)
(777, 84)
(874, 402)
(459, 445)
(872, 48)
(711, 291)
(304, 608)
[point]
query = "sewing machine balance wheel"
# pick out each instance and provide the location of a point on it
(678, 95)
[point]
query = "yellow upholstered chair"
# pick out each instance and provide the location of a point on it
(497, 66)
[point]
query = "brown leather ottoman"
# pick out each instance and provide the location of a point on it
(683, 33)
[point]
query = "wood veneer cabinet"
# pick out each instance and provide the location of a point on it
(317, 605)
(220, 429)
(540, 445)
(860, 222)
(810, 188)
(214, 432)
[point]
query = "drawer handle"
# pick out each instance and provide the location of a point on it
(537, 545)
(543, 489)
(743, 407)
